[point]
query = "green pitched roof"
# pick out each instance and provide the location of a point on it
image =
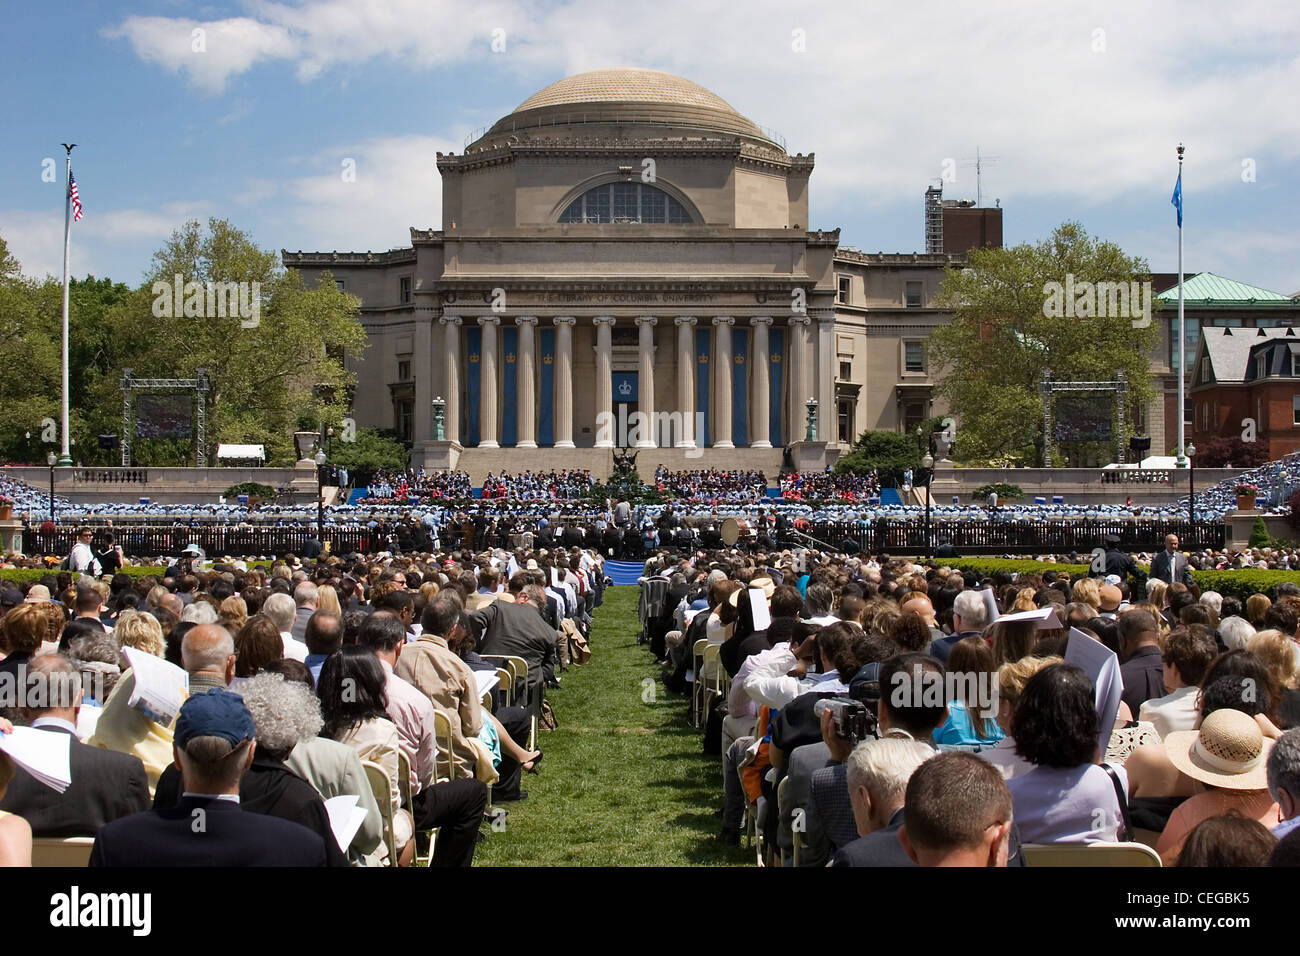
(1207, 287)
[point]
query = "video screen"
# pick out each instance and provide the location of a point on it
(164, 416)
(1085, 418)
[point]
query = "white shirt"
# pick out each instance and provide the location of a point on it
(1054, 805)
(293, 649)
(1176, 711)
(1003, 756)
(83, 559)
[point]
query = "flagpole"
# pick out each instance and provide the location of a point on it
(1182, 327)
(65, 459)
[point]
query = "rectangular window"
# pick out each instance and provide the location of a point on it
(404, 289)
(845, 286)
(845, 420)
(1295, 410)
(404, 371)
(913, 416)
(846, 371)
(1205, 369)
(1193, 336)
(914, 356)
(405, 413)
(342, 285)
(913, 295)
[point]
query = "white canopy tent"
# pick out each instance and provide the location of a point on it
(254, 453)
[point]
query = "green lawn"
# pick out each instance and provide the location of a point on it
(625, 781)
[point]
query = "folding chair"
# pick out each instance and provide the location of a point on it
(384, 796)
(713, 679)
(61, 851)
(1097, 853)
(518, 668)
(697, 685)
(445, 762)
(780, 806)
(505, 682)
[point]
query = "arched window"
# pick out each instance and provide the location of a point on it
(625, 202)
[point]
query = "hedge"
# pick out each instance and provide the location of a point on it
(19, 575)
(1238, 583)
(992, 566)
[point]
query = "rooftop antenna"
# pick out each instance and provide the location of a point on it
(979, 163)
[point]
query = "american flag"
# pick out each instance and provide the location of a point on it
(76, 200)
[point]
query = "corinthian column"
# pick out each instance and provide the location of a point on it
(451, 378)
(722, 361)
(646, 379)
(686, 379)
(760, 403)
(826, 413)
(487, 408)
(564, 380)
(526, 387)
(605, 424)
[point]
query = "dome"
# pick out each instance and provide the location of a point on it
(630, 96)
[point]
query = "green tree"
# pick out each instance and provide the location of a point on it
(283, 359)
(372, 450)
(1004, 335)
(890, 454)
(30, 321)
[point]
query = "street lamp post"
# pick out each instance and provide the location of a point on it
(320, 496)
(1191, 484)
(52, 459)
(928, 464)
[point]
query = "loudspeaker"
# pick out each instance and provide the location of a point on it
(108, 442)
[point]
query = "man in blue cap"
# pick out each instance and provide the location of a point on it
(213, 745)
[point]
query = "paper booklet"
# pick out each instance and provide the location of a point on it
(160, 686)
(346, 818)
(1045, 616)
(487, 680)
(45, 754)
(1102, 667)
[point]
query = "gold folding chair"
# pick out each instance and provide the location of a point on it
(518, 668)
(384, 796)
(697, 665)
(61, 851)
(1090, 854)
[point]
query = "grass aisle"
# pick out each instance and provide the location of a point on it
(625, 781)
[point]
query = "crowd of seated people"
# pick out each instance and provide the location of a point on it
(539, 486)
(882, 713)
(299, 678)
(401, 487)
(826, 486)
(711, 484)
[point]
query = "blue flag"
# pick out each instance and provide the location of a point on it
(1177, 199)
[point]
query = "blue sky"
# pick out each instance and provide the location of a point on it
(1082, 104)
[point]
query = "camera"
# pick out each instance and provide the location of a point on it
(851, 718)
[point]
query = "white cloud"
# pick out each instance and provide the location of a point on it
(209, 52)
(396, 186)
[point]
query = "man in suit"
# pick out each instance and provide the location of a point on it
(105, 784)
(213, 746)
(876, 773)
(1170, 565)
(518, 630)
(304, 596)
(1122, 564)
(1143, 670)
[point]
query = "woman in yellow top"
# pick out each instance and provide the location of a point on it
(15, 833)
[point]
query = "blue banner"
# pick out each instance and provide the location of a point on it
(703, 349)
(546, 381)
(625, 387)
(775, 362)
(510, 370)
(739, 387)
(473, 356)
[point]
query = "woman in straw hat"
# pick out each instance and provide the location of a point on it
(1227, 757)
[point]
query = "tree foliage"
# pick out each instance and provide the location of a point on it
(265, 371)
(991, 357)
(1229, 451)
(888, 453)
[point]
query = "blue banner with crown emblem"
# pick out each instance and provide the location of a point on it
(625, 389)
(739, 387)
(703, 348)
(473, 357)
(775, 362)
(546, 360)
(509, 375)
